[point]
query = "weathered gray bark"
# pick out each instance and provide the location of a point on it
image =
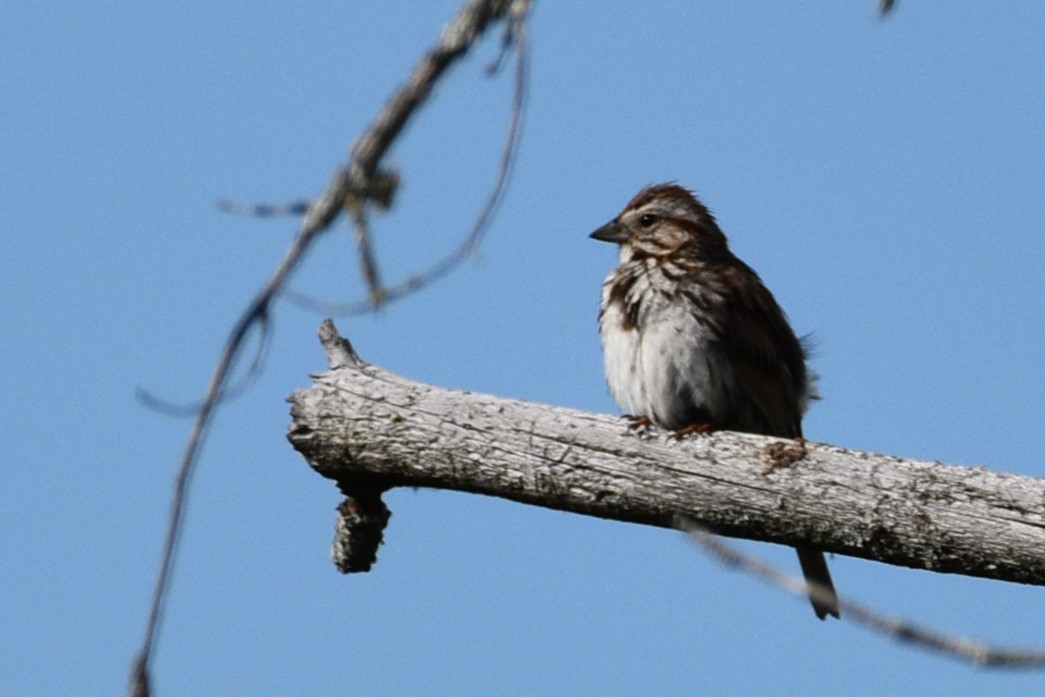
(370, 430)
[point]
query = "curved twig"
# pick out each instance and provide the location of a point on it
(184, 411)
(950, 645)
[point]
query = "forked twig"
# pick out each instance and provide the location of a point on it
(958, 647)
(377, 294)
(355, 180)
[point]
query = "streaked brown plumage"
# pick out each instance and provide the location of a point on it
(693, 340)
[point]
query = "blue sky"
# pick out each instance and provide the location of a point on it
(885, 179)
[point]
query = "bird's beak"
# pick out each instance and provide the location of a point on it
(612, 231)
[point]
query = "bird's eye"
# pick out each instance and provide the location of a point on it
(647, 219)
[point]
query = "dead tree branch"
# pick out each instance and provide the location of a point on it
(370, 430)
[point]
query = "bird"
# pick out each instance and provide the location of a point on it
(694, 342)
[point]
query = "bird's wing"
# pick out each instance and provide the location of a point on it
(767, 358)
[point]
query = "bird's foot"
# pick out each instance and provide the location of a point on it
(637, 423)
(703, 429)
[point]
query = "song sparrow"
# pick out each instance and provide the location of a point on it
(692, 339)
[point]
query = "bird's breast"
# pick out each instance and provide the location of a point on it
(660, 357)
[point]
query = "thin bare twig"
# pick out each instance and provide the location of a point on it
(375, 292)
(471, 21)
(380, 191)
(263, 210)
(958, 647)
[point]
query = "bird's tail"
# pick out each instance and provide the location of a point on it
(814, 568)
